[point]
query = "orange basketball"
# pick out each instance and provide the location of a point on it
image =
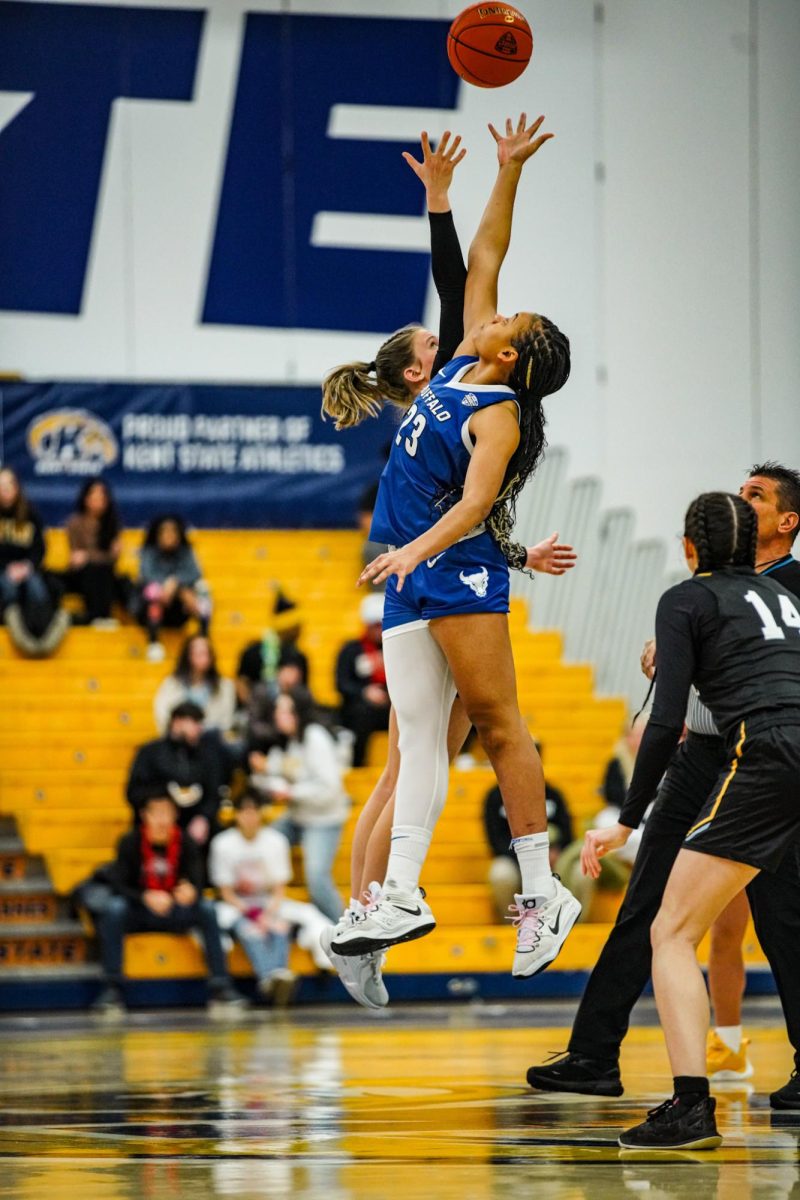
(489, 45)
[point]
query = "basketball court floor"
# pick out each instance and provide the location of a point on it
(425, 1103)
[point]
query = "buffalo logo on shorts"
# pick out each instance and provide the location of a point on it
(478, 581)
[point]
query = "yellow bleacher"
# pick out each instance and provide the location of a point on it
(70, 723)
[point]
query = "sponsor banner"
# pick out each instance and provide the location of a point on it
(223, 457)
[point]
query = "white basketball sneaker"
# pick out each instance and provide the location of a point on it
(542, 928)
(398, 916)
(360, 974)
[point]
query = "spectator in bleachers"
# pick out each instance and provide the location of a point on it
(504, 877)
(196, 678)
(303, 771)
(274, 662)
(172, 588)
(361, 680)
(619, 769)
(21, 546)
(29, 596)
(188, 765)
(251, 864)
(154, 885)
(615, 868)
(93, 535)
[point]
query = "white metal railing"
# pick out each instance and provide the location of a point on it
(605, 608)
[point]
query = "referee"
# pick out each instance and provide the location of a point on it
(590, 1066)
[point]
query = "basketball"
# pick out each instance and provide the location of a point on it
(489, 45)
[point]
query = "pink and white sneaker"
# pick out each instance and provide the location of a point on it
(542, 927)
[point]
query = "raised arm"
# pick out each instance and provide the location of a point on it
(447, 262)
(490, 244)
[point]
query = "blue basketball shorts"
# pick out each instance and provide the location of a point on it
(469, 577)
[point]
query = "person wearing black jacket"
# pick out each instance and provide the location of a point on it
(187, 765)
(590, 1065)
(21, 546)
(154, 885)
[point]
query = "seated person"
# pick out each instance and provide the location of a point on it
(250, 864)
(303, 771)
(361, 680)
(29, 595)
(153, 886)
(186, 764)
(504, 876)
(171, 585)
(93, 534)
(274, 662)
(196, 678)
(615, 869)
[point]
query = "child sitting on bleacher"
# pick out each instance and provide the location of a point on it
(251, 864)
(154, 885)
(171, 585)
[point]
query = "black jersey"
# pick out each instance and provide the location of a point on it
(736, 636)
(751, 662)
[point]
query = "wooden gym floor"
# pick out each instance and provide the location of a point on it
(425, 1103)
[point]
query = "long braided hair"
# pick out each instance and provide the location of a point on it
(542, 368)
(359, 389)
(723, 529)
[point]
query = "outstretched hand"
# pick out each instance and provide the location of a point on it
(551, 557)
(437, 166)
(518, 145)
(599, 842)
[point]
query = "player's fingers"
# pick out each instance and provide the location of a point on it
(441, 147)
(416, 167)
(458, 157)
(537, 145)
(536, 124)
(494, 132)
(426, 145)
(521, 123)
(509, 127)
(453, 150)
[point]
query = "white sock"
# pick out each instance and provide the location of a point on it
(731, 1035)
(407, 854)
(533, 856)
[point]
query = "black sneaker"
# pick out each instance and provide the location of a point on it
(789, 1095)
(225, 996)
(576, 1073)
(672, 1126)
(109, 1003)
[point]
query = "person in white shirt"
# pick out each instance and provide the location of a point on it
(303, 771)
(250, 864)
(197, 678)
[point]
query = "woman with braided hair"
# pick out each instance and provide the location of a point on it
(404, 364)
(465, 449)
(735, 635)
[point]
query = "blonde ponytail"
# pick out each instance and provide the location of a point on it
(359, 389)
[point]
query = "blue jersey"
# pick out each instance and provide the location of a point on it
(429, 458)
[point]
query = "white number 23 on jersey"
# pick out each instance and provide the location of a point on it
(417, 422)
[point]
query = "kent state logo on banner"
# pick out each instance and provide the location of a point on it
(71, 441)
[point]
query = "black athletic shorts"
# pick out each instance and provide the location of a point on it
(753, 813)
